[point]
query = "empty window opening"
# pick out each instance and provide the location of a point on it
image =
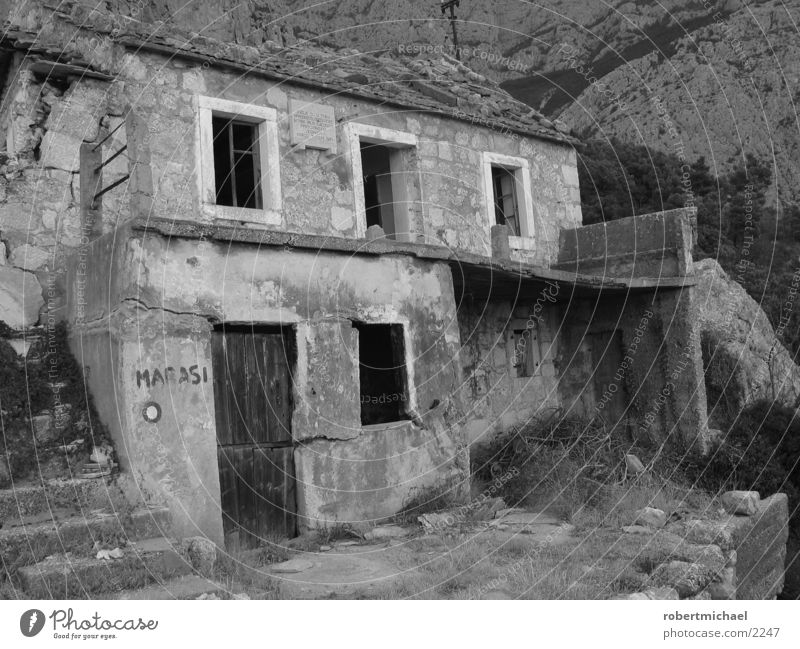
(376, 164)
(237, 169)
(506, 208)
(527, 356)
(382, 372)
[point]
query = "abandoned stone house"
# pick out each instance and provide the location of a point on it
(304, 282)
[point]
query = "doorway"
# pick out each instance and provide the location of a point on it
(253, 402)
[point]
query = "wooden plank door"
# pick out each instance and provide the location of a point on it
(252, 395)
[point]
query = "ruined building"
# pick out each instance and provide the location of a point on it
(304, 282)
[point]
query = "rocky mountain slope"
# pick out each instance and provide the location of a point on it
(729, 89)
(745, 361)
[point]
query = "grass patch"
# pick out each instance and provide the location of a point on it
(242, 572)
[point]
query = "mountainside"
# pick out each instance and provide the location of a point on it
(728, 90)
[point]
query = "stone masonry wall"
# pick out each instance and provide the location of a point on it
(496, 398)
(738, 554)
(660, 370)
(45, 123)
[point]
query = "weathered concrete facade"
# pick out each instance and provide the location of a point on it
(157, 313)
(491, 327)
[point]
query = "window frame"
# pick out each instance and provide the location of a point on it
(522, 185)
(355, 133)
(266, 119)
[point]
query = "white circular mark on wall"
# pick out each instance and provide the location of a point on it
(151, 412)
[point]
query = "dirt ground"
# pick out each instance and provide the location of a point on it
(526, 555)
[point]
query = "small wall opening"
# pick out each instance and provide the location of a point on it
(382, 373)
(526, 357)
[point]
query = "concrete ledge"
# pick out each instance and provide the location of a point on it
(461, 262)
(649, 245)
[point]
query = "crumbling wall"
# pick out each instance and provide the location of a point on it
(739, 553)
(497, 399)
(44, 122)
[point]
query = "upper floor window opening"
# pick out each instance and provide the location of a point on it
(506, 207)
(238, 154)
(507, 196)
(385, 178)
(237, 172)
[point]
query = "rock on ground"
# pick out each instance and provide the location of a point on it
(651, 517)
(202, 555)
(743, 503)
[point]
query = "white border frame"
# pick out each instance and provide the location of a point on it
(354, 133)
(522, 177)
(269, 159)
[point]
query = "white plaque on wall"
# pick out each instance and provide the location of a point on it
(312, 126)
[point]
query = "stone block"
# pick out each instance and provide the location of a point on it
(202, 554)
(61, 151)
(20, 297)
(687, 578)
(708, 532)
(30, 257)
(661, 593)
(78, 114)
(742, 503)
(44, 429)
(651, 517)
(724, 587)
(5, 473)
(501, 248)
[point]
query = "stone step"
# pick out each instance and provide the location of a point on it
(185, 587)
(153, 560)
(32, 498)
(26, 541)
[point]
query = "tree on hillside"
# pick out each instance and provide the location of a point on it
(755, 247)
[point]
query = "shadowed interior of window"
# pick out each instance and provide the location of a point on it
(506, 209)
(237, 169)
(382, 372)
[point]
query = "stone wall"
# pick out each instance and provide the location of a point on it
(45, 124)
(738, 555)
(659, 371)
(497, 398)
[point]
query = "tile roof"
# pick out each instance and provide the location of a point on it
(410, 79)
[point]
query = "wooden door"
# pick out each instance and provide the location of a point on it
(252, 397)
(609, 382)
